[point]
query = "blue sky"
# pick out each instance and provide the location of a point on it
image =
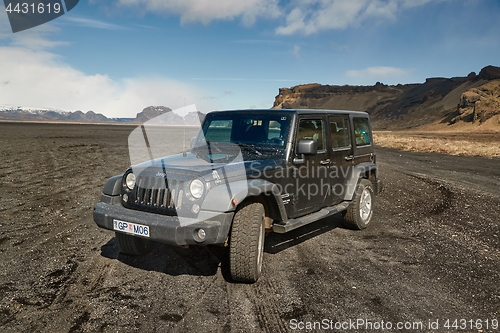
(118, 56)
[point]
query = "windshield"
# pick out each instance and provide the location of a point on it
(254, 133)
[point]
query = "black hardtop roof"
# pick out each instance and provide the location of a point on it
(297, 111)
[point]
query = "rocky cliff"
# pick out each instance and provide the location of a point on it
(445, 100)
(478, 104)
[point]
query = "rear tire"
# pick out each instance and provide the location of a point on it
(133, 245)
(246, 245)
(359, 214)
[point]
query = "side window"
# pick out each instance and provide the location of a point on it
(311, 129)
(361, 131)
(219, 130)
(339, 128)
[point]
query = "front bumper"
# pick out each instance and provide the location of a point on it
(168, 229)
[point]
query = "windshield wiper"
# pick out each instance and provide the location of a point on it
(213, 145)
(250, 147)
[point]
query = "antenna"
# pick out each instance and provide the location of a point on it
(184, 134)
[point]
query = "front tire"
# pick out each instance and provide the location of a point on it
(134, 246)
(359, 214)
(246, 245)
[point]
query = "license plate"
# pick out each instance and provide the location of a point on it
(131, 228)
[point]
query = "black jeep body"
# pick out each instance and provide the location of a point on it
(247, 171)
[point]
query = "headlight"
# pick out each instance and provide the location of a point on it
(196, 188)
(130, 181)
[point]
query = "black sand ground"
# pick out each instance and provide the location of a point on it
(432, 252)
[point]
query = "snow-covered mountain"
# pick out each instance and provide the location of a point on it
(18, 113)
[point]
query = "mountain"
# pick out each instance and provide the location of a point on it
(41, 115)
(90, 116)
(164, 115)
(445, 101)
(47, 115)
(154, 111)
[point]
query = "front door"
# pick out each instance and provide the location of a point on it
(312, 186)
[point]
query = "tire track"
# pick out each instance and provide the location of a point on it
(204, 307)
(263, 306)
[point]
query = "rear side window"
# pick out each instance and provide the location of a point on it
(362, 131)
(339, 128)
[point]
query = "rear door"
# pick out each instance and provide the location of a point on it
(341, 152)
(363, 141)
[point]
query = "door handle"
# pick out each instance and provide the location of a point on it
(325, 162)
(349, 158)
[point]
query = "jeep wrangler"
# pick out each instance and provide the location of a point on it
(248, 172)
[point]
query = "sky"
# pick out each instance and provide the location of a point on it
(117, 57)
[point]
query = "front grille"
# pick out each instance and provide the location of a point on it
(156, 194)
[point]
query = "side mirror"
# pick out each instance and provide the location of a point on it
(308, 147)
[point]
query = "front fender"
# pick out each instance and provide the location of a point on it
(113, 186)
(220, 198)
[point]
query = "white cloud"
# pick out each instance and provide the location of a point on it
(380, 72)
(91, 23)
(31, 76)
(304, 17)
(205, 11)
(137, 93)
(39, 79)
(296, 51)
(32, 38)
(313, 16)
